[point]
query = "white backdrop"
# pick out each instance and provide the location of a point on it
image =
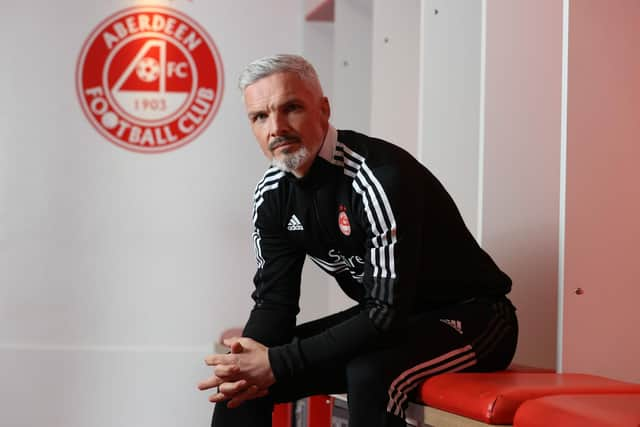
(119, 269)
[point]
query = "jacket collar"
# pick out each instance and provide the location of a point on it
(328, 148)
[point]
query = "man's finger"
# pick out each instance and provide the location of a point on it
(240, 398)
(218, 397)
(226, 371)
(230, 342)
(219, 359)
(253, 392)
(236, 347)
(233, 388)
(228, 391)
(213, 381)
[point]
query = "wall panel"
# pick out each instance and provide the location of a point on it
(395, 72)
(119, 269)
(522, 162)
(451, 86)
(603, 199)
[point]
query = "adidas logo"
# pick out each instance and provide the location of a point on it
(294, 224)
(455, 324)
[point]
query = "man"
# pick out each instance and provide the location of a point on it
(429, 299)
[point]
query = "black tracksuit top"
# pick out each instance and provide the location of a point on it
(380, 223)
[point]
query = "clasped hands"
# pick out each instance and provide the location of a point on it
(243, 374)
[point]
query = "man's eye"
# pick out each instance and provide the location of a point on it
(292, 107)
(259, 117)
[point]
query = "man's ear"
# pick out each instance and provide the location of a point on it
(325, 107)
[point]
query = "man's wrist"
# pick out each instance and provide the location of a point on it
(275, 368)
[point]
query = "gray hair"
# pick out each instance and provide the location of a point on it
(282, 63)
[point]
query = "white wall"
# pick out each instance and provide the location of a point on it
(450, 89)
(395, 72)
(118, 269)
(351, 103)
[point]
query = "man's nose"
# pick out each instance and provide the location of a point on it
(279, 124)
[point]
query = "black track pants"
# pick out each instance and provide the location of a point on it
(479, 335)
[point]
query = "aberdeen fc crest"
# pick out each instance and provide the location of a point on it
(149, 79)
(343, 221)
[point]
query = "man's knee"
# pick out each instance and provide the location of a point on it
(368, 380)
(367, 373)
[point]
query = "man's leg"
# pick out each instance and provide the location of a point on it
(477, 336)
(256, 413)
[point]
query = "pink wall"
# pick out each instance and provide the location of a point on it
(522, 163)
(603, 190)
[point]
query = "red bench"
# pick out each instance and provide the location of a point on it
(494, 398)
(579, 410)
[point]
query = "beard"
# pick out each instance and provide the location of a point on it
(289, 162)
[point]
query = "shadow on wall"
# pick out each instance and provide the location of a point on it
(530, 257)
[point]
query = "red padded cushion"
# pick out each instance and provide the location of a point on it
(590, 410)
(494, 397)
(515, 367)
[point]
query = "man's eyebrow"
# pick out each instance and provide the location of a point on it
(252, 113)
(294, 100)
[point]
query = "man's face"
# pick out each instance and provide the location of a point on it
(289, 118)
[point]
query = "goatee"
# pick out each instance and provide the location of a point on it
(289, 162)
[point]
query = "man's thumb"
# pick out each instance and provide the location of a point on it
(236, 347)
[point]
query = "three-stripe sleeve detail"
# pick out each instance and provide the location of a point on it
(383, 228)
(270, 181)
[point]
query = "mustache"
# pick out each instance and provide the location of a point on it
(281, 140)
